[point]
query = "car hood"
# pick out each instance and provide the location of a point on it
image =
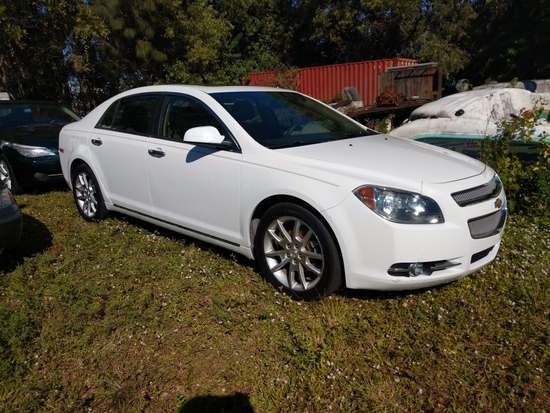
(381, 157)
(46, 136)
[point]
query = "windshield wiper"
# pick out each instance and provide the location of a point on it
(358, 135)
(294, 144)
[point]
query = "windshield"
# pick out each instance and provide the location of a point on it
(19, 114)
(285, 119)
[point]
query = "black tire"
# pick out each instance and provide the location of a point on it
(7, 176)
(87, 195)
(296, 252)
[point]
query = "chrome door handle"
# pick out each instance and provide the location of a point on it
(97, 142)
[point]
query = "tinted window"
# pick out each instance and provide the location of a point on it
(181, 113)
(107, 119)
(19, 114)
(133, 114)
(283, 119)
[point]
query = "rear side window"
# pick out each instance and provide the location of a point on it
(133, 114)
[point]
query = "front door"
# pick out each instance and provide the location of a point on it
(194, 187)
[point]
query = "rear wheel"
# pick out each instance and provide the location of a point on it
(295, 251)
(6, 175)
(87, 195)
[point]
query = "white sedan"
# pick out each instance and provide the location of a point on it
(320, 201)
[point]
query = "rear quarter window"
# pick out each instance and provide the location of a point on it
(133, 114)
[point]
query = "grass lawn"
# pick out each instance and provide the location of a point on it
(121, 316)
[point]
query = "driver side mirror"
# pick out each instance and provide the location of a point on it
(206, 135)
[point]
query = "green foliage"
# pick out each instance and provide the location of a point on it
(339, 32)
(525, 175)
(82, 52)
(95, 49)
(32, 42)
(385, 124)
(541, 172)
(196, 37)
(445, 33)
(507, 39)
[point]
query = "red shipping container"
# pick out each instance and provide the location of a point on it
(325, 82)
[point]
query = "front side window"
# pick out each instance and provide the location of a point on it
(181, 113)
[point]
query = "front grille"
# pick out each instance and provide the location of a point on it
(478, 194)
(488, 225)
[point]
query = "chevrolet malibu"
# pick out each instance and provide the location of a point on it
(318, 200)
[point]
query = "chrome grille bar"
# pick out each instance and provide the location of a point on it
(478, 194)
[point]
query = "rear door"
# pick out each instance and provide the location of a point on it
(118, 150)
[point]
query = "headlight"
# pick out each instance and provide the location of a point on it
(399, 206)
(6, 198)
(33, 151)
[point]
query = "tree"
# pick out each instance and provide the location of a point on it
(86, 80)
(88, 50)
(508, 41)
(195, 38)
(339, 32)
(259, 37)
(130, 54)
(445, 32)
(33, 48)
(159, 40)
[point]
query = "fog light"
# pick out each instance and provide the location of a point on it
(41, 176)
(407, 269)
(416, 269)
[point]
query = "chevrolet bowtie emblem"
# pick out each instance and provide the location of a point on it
(498, 203)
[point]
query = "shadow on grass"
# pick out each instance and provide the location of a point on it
(370, 295)
(363, 295)
(36, 238)
(236, 403)
(44, 189)
(205, 246)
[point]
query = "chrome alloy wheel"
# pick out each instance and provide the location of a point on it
(85, 195)
(293, 253)
(5, 174)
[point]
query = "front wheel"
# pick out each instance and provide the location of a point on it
(87, 195)
(6, 175)
(295, 251)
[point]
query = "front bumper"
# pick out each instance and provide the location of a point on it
(382, 255)
(37, 171)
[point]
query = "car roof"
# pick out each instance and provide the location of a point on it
(185, 89)
(206, 89)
